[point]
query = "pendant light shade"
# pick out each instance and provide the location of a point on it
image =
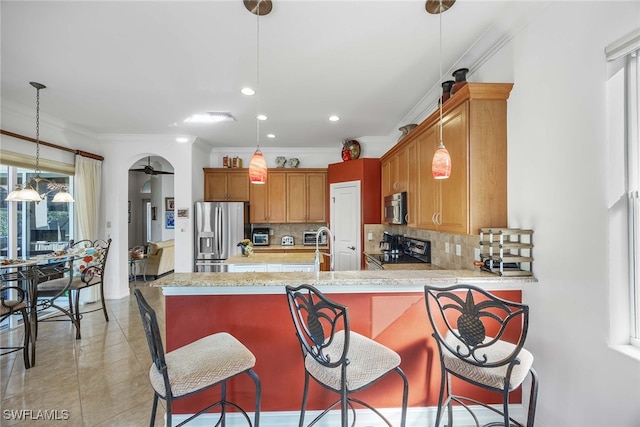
(258, 168)
(62, 197)
(441, 164)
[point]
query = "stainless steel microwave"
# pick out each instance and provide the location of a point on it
(395, 208)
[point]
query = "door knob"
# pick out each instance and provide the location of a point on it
(353, 248)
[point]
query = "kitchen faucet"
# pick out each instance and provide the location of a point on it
(330, 241)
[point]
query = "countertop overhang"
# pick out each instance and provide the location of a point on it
(364, 281)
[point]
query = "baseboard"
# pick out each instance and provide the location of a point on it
(416, 417)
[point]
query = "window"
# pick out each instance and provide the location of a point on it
(624, 207)
(28, 229)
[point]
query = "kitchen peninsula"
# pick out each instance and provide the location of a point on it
(387, 306)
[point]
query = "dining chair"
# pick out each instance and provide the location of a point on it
(337, 358)
(85, 268)
(480, 339)
(13, 301)
(196, 367)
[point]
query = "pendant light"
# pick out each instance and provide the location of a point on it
(258, 164)
(441, 163)
(28, 192)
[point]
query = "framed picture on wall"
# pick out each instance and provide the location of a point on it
(183, 213)
(169, 203)
(169, 221)
(154, 215)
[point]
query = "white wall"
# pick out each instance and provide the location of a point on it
(557, 133)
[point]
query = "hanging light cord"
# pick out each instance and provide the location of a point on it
(440, 56)
(258, 78)
(37, 170)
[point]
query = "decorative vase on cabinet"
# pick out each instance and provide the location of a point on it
(461, 79)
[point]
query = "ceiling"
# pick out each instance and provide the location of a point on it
(120, 67)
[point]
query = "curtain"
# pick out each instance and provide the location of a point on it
(88, 183)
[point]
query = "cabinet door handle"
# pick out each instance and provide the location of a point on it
(433, 218)
(439, 218)
(353, 248)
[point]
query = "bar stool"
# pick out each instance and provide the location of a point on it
(196, 367)
(337, 358)
(470, 326)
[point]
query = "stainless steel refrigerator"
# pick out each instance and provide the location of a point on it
(219, 226)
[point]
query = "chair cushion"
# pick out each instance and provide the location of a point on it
(10, 306)
(368, 359)
(53, 284)
(202, 363)
(492, 377)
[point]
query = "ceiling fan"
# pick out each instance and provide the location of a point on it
(149, 170)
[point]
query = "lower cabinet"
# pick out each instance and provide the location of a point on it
(270, 268)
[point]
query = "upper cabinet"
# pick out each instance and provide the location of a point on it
(306, 196)
(290, 196)
(267, 202)
(474, 130)
(226, 185)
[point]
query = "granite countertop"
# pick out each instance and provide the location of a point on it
(331, 281)
(273, 258)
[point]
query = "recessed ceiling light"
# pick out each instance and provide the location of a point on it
(210, 117)
(248, 91)
(270, 135)
(261, 117)
(182, 139)
(334, 118)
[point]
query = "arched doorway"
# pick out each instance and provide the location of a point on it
(150, 207)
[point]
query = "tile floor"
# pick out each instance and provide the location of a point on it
(99, 380)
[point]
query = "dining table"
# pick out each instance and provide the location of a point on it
(27, 273)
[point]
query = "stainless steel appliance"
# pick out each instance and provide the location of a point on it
(413, 251)
(395, 208)
(260, 237)
(219, 226)
(309, 238)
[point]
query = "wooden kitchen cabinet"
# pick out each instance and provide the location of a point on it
(227, 185)
(474, 128)
(306, 197)
(267, 202)
(394, 173)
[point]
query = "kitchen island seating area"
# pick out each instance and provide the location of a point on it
(470, 326)
(195, 368)
(337, 358)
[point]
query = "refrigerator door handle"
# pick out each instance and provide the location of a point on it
(218, 230)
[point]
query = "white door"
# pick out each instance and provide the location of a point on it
(345, 220)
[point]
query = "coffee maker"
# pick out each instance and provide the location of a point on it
(391, 245)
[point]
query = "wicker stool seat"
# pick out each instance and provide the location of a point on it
(204, 362)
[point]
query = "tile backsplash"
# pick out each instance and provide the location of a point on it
(294, 230)
(439, 255)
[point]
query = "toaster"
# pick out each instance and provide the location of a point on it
(287, 241)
